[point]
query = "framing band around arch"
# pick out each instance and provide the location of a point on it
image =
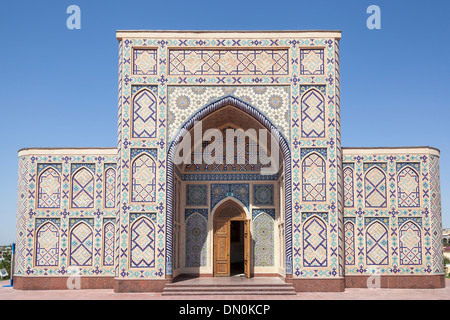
(188, 125)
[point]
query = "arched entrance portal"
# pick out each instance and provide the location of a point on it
(190, 190)
(232, 241)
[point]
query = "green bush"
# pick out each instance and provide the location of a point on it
(6, 264)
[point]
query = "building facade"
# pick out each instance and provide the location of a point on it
(302, 208)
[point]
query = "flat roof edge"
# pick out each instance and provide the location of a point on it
(60, 151)
(433, 150)
(120, 34)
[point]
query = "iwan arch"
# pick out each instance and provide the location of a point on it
(133, 219)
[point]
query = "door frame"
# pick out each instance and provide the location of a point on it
(247, 247)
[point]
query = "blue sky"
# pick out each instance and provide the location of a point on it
(58, 87)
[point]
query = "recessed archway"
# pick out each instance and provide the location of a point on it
(283, 145)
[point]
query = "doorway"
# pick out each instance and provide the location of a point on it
(236, 247)
(231, 241)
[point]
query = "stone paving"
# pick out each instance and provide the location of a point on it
(9, 293)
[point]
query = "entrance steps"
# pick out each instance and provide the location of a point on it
(229, 286)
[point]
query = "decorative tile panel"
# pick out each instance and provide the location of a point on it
(408, 188)
(145, 62)
(81, 245)
(142, 250)
(47, 245)
(196, 194)
(143, 179)
(313, 178)
(228, 62)
(83, 189)
(221, 191)
(49, 189)
(263, 240)
(144, 114)
(263, 194)
(313, 114)
(311, 62)
(196, 234)
(315, 242)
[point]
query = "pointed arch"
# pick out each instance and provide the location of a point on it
(144, 115)
(188, 125)
(263, 237)
(108, 244)
(47, 245)
(49, 189)
(377, 244)
(110, 188)
(408, 188)
(314, 242)
(142, 244)
(375, 188)
(314, 178)
(83, 188)
(196, 246)
(348, 187)
(410, 243)
(313, 114)
(81, 245)
(143, 179)
(349, 242)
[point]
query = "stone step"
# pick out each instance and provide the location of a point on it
(227, 289)
(226, 293)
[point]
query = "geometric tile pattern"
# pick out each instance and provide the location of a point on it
(196, 233)
(49, 189)
(348, 187)
(313, 114)
(314, 179)
(83, 189)
(228, 62)
(143, 179)
(221, 191)
(410, 244)
(142, 250)
(81, 245)
(263, 194)
(108, 244)
(47, 246)
(436, 215)
(196, 194)
(311, 62)
(110, 188)
(144, 62)
(273, 101)
(408, 188)
(263, 240)
(375, 188)
(314, 243)
(377, 245)
(349, 234)
(144, 115)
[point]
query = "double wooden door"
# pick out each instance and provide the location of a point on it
(222, 247)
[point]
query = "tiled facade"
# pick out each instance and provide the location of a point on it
(324, 220)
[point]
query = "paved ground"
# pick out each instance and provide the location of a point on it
(349, 294)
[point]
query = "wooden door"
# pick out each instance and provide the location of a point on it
(222, 248)
(247, 245)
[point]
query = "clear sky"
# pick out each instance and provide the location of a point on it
(58, 87)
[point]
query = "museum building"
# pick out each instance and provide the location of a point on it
(323, 218)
